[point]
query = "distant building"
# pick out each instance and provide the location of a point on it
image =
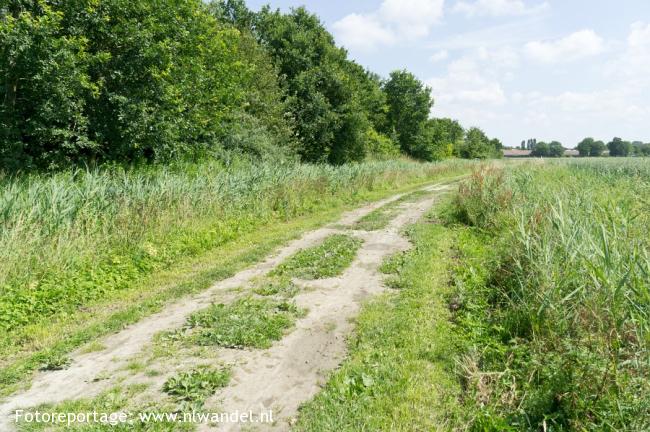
(518, 153)
(571, 153)
(514, 153)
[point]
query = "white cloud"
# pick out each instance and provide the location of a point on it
(439, 56)
(468, 83)
(394, 21)
(581, 44)
(411, 19)
(363, 32)
(497, 7)
(633, 62)
(639, 37)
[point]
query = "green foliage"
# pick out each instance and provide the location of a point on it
(193, 387)
(618, 147)
(479, 202)
(555, 149)
(55, 361)
(88, 82)
(437, 139)
(327, 94)
(380, 146)
(560, 312)
(409, 102)
(329, 259)
(478, 146)
(126, 81)
(276, 286)
(591, 147)
(597, 148)
(585, 146)
(248, 322)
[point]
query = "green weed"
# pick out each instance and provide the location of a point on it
(556, 300)
(329, 259)
(271, 286)
(193, 387)
(55, 361)
(248, 322)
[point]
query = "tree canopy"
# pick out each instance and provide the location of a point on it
(91, 81)
(618, 147)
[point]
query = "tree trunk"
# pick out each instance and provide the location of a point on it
(11, 85)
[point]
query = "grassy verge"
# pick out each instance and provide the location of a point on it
(399, 373)
(328, 259)
(183, 255)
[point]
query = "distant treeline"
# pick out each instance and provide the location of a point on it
(129, 81)
(616, 147)
(587, 147)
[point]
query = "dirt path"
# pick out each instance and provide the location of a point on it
(280, 378)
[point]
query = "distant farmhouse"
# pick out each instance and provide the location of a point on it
(519, 153)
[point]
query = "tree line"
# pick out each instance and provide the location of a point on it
(130, 81)
(616, 147)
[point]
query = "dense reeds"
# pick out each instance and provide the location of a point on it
(563, 320)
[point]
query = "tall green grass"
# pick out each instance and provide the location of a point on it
(75, 237)
(560, 327)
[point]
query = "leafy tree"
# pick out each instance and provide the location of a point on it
(555, 149)
(478, 146)
(496, 144)
(409, 104)
(380, 146)
(90, 81)
(116, 80)
(618, 147)
(438, 139)
(585, 146)
(323, 88)
(597, 148)
(639, 148)
(541, 150)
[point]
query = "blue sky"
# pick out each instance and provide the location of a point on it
(545, 69)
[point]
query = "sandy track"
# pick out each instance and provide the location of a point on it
(292, 371)
(280, 378)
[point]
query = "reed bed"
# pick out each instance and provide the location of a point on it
(561, 327)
